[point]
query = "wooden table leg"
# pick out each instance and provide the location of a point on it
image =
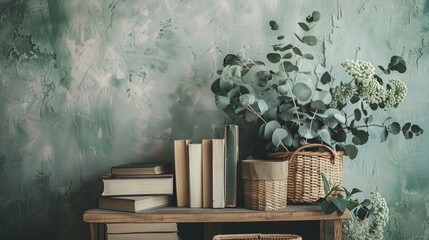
(332, 229)
(212, 229)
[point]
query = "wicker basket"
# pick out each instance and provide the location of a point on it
(305, 184)
(257, 237)
(265, 184)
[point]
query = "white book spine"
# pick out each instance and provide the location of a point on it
(195, 176)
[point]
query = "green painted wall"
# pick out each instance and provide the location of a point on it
(87, 84)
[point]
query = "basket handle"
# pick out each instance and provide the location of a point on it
(331, 150)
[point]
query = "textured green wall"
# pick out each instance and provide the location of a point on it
(87, 84)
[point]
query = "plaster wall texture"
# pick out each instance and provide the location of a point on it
(87, 84)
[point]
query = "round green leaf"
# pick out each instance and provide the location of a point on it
(340, 117)
(351, 151)
(326, 78)
(278, 136)
(269, 129)
(273, 25)
(316, 16)
(262, 106)
(274, 57)
(416, 130)
(323, 133)
(281, 37)
(222, 102)
(394, 128)
(247, 99)
(302, 91)
(339, 136)
(309, 40)
(318, 104)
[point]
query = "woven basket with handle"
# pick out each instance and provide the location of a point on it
(305, 184)
(257, 237)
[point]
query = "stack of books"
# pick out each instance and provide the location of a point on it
(136, 187)
(141, 231)
(206, 172)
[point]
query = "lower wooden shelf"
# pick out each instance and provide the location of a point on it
(329, 227)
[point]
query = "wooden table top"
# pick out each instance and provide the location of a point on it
(194, 215)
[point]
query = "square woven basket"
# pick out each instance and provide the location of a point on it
(257, 236)
(264, 184)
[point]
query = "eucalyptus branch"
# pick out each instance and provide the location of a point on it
(248, 107)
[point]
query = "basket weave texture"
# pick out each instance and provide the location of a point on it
(257, 237)
(305, 184)
(265, 195)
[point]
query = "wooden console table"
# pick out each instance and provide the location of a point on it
(329, 225)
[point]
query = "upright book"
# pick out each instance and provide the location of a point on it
(138, 168)
(134, 203)
(218, 173)
(181, 171)
(195, 176)
(207, 172)
(157, 184)
(231, 160)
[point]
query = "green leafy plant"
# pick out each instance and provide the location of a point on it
(294, 100)
(339, 199)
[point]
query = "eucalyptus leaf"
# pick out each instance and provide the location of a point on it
(281, 37)
(384, 134)
(289, 67)
(351, 151)
(394, 128)
(340, 117)
(222, 102)
(372, 132)
(247, 99)
(297, 51)
(357, 114)
(269, 129)
(416, 130)
(302, 91)
(309, 40)
(318, 104)
(323, 133)
(326, 78)
(274, 25)
(339, 136)
(304, 26)
(308, 56)
(287, 55)
(278, 136)
(316, 16)
(274, 57)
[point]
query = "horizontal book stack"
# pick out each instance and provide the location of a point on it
(206, 172)
(136, 187)
(141, 231)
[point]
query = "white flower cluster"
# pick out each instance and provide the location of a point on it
(380, 216)
(368, 87)
(356, 229)
(396, 94)
(341, 94)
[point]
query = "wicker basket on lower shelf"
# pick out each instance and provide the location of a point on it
(257, 237)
